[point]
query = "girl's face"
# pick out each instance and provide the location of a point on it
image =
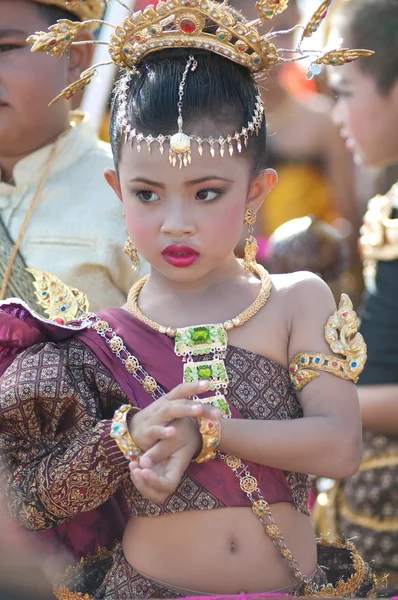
(367, 119)
(186, 222)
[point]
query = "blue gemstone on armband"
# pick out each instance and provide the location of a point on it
(293, 384)
(354, 364)
(317, 361)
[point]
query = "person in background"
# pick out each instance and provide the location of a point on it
(307, 244)
(366, 505)
(316, 175)
(57, 213)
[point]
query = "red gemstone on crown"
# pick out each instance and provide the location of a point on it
(335, 364)
(345, 314)
(188, 26)
(211, 425)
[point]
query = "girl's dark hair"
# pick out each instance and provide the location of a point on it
(373, 24)
(53, 13)
(219, 91)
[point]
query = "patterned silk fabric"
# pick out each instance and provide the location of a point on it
(57, 402)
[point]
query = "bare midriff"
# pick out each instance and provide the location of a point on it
(223, 551)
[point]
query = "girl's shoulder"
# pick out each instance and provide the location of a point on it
(298, 284)
(303, 295)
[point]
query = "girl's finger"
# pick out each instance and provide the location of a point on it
(187, 390)
(155, 455)
(158, 432)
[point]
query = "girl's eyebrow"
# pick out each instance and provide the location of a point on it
(10, 31)
(192, 182)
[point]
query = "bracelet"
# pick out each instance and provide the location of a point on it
(120, 433)
(211, 437)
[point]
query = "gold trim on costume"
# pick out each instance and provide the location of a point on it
(346, 588)
(341, 333)
(60, 302)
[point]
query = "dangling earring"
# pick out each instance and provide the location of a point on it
(251, 247)
(132, 254)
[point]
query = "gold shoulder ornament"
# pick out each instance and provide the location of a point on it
(341, 333)
(60, 302)
(197, 25)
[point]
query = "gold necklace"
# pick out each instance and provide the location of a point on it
(203, 347)
(241, 319)
(24, 226)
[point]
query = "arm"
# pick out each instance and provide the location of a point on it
(327, 440)
(54, 442)
(379, 408)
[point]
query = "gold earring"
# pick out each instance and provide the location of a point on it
(132, 253)
(251, 247)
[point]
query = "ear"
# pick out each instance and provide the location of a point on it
(260, 187)
(113, 180)
(80, 57)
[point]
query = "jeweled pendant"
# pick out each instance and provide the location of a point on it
(180, 147)
(213, 371)
(200, 340)
(217, 401)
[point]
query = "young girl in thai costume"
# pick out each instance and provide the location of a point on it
(215, 381)
(366, 506)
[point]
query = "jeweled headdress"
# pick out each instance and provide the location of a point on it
(195, 24)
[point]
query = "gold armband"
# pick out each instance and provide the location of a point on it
(120, 433)
(211, 437)
(341, 333)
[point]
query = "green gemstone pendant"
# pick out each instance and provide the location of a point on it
(218, 401)
(213, 371)
(201, 340)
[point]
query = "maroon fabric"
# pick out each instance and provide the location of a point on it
(155, 353)
(20, 328)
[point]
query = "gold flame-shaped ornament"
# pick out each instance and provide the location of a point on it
(341, 333)
(60, 302)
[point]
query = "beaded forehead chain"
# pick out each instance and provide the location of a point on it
(194, 24)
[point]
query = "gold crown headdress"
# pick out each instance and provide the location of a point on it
(195, 24)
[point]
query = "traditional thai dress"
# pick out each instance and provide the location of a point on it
(59, 389)
(366, 505)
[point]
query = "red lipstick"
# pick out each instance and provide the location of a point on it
(180, 256)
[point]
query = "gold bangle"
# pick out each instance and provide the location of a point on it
(120, 433)
(211, 437)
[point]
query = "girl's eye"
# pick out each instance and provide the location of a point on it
(341, 94)
(208, 195)
(8, 47)
(147, 196)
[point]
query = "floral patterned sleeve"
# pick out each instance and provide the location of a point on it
(57, 457)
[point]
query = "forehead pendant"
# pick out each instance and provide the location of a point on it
(180, 143)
